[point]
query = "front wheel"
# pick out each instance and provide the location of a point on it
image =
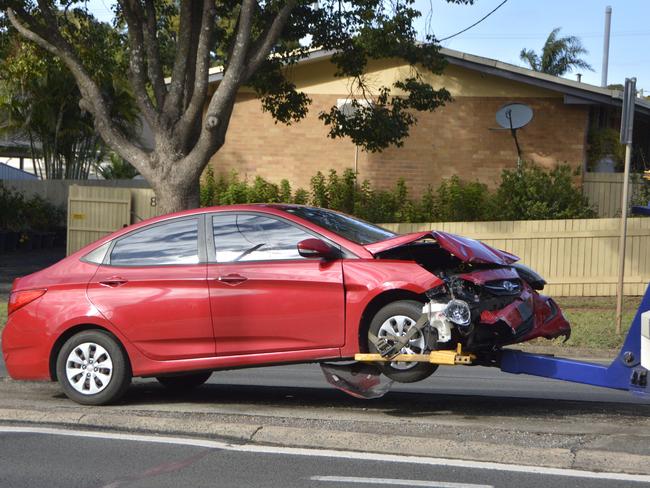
(395, 319)
(93, 369)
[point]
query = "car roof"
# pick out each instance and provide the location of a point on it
(278, 209)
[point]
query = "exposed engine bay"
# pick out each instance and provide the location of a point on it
(487, 300)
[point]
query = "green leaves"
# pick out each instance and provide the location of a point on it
(526, 193)
(279, 96)
(386, 119)
(39, 97)
(531, 193)
(367, 30)
(117, 169)
(373, 126)
(559, 55)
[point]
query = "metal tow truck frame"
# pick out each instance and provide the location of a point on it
(628, 371)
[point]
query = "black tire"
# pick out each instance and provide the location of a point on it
(400, 372)
(95, 368)
(184, 382)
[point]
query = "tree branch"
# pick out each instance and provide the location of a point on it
(220, 107)
(156, 75)
(242, 40)
(269, 38)
(137, 70)
(51, 40)
(186, 39)
(201, 74)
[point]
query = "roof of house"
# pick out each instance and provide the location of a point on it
(10, 173)
(575, 92)
(570, 88)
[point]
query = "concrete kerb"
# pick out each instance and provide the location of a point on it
(273, 435)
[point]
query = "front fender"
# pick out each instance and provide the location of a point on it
(365, 279)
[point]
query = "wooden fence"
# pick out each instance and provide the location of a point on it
(605, 190)
(56, 191)
(95, 211)
(576, 257)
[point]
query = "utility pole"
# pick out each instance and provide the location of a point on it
(608, 24)
(627, 124)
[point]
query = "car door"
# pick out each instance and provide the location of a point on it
(152, 286)
(265, 297)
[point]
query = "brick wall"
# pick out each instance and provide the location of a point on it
(456, 139)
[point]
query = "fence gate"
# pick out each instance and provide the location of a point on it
(94, 212)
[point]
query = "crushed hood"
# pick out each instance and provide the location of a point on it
(466, 249)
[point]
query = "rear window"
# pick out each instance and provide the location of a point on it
(161, 244)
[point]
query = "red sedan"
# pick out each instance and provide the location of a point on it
(182, 295)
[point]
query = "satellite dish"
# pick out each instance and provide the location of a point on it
(514, 115)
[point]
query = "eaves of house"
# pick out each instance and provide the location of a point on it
(574, 92)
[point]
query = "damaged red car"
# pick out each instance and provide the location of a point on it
(179, 296)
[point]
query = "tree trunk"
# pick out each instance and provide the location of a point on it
(176, 194)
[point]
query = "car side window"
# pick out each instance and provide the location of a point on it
(249, 237)
(163, 244)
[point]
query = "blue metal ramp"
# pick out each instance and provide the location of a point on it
(629, 371)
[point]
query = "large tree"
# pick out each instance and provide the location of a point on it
(252, 41)
(559, 55)
(39, 101)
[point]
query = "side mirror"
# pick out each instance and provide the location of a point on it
(315, 248)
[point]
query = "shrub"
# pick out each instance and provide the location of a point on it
(19, 213)
(528, 192)
(531, 193)
(208, 189)
(301, 197)
(460, 201)
(263, 192)
(602, 143)
(319, 191)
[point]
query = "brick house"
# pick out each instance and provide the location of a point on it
(456, 139)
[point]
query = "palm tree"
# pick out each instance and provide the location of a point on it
(559, 55)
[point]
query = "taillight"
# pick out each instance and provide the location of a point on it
(19, 299)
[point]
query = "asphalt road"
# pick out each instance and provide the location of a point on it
(448, 380)
(38, 457)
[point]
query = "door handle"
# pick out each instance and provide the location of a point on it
(232, 279)
(113, 282)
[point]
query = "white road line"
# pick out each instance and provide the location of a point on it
(359, 456)
(389, 481)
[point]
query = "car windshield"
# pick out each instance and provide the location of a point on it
(354, 230)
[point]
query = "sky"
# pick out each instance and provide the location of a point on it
(526, 24)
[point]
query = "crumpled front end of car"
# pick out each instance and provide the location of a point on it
(487, 300)
(504, 309)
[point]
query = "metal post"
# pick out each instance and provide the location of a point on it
(608, 24)
(627, 124)
(622, 239)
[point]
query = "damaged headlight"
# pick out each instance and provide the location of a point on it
(458, 312)
(535, 281)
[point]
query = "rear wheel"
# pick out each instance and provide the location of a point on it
(184, 382)
(93, 369)
(395, 319)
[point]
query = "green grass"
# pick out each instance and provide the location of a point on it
(593, 321)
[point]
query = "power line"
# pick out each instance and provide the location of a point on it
(475, 23)
(488, 36)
